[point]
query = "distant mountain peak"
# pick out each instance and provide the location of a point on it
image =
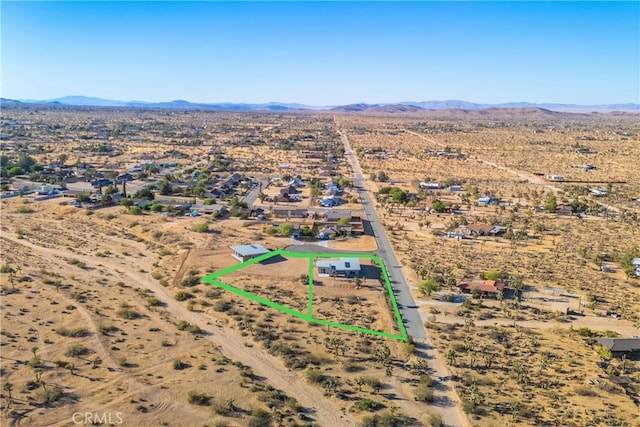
(399, 107)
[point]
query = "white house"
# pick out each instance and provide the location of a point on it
(346, 267)
(429, 185)
(636, 263)
(246, 252)
(486, 200)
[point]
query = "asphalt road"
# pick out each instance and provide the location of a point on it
(252, 196)
(407, 305)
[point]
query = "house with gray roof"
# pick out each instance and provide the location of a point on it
(621, 346)
(345, 267)
(246, 252)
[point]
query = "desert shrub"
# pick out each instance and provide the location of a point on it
(183, 296)
(352, 367)
(586, 332)
(272, 398)
(51, 394)
(410, 348)
(179, 365)
(582, 390)
(62, 364)
(153, 302)
(77, 350)
(106, 330)
(435, 420)
(374, 383)
(367, 405)
(423, 393)
(127, 312)
(200, 399)
(246, 372)
(75, 332)
(314, 376)
(387, 419)
(6, 268)
(426, 380)
(200, 227)
(293, 404)
(183, 325)
(24, 210)
(222, 408)
(191, 279)
(222, 305)
(35, 362)
(134, 210)
(259, 418)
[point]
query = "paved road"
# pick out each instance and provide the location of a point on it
(407, 305)
(252, 196)
(309, 247)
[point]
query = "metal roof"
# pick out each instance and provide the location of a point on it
(620, 344)
(248, 250)
(342, 264)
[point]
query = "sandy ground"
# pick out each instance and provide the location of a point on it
(132, 269)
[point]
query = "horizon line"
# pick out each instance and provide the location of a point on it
(305, 104)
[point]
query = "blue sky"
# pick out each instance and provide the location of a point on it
(323, 53)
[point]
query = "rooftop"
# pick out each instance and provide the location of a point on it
(341, 264)
(490, 286)
(620, 344)
(248, 250)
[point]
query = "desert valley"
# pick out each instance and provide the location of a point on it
(509, 292)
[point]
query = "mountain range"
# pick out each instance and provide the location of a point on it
(399, 107)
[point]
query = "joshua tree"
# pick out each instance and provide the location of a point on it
(544, 361)
(451, 356)
(231, 406)
(8, 388)
(472, 357)
(515, 409)
(469, 323)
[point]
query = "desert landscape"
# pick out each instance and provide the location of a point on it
(516, 231)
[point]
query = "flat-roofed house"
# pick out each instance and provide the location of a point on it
(346, 267)
(246, 252)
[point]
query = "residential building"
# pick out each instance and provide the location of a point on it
(344, 267)
(621, 346)
(486, 288)
(246, 252)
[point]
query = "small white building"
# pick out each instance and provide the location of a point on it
(246, 252)
(429, 185)
(556, 178)
(346, 267)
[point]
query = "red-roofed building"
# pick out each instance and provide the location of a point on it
(488, 287)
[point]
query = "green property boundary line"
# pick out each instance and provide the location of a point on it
(212, 279)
